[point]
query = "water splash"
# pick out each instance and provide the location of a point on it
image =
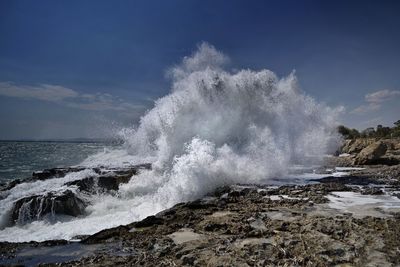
(218, 127)
(215, 127)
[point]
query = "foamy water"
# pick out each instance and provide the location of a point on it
(214, 128)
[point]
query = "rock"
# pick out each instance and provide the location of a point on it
(356, 145)
(371, 154)
(66, 203)
(372, 191)
(41, 175)
(367, 151)
(36, 207)
(148, 221)
(106, 235)
(297, 230)
(102, 183)
(113, 182)
(351, 180)
(389, 160)
(119, 175)
(86, 184)
(188, 259)
(340, 161)
(54, 173)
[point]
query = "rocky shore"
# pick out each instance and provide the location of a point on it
(350, 219)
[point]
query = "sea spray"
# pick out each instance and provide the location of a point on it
(218, 127)
(215, 127)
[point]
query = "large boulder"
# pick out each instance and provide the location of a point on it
(36, 207)
(371, 154)
(356, 145)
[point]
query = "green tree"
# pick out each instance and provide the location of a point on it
(348, 133)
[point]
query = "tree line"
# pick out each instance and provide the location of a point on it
(371, 132)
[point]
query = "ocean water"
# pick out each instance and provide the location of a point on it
(216, 127)
(18, 159)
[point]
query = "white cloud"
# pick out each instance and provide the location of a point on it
(45, 92)
(374, 101)
(67, 97)
(366, 108)
(381, 96)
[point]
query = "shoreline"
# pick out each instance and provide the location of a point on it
(347, 216)
(244, 225)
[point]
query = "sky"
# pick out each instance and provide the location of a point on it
(72, 69)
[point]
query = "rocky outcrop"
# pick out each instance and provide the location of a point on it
(121, 175)
(54, 173)
(247, 225)
(102, 183)
(371, 154)
(353, 146)
(68, 202)
(36, 207)
(368, 151)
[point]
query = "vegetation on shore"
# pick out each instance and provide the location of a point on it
(378, 132)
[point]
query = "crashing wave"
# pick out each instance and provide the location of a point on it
(215, 127)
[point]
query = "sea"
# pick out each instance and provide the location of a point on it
(19, 159)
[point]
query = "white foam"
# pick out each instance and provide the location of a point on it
(216, 127)
(364, 205)
(349, 169)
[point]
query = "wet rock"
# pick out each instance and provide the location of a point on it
(54, 173)
(8, 185)
(351, 180)
(149, 221)
(102, 183)
(37, 207)
(251, 229)
(41, 175)
(113, 182)
(118, 176)
(372, 191)
(88, 184)
(201, 204)
(107, 235)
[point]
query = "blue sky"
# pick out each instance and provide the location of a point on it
(84, 68)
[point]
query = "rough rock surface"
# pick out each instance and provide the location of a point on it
(250, 225)
(352, 146)
(371, 154)
(368, 151)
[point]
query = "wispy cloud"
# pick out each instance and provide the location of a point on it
(45, 92)
(381, 96)
(366, 108)
(374, 101)
(67, 97)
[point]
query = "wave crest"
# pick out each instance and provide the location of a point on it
(217, 127)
